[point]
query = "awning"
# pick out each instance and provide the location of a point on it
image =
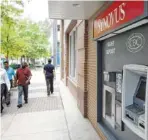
(73, 9)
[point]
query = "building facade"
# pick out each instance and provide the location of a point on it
(104, 65)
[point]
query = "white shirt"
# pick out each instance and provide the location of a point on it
(4, 78)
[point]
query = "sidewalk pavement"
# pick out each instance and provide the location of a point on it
(53, 118)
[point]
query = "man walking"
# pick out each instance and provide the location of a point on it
(49, 76)
(5, 85)
(23, 77)
(10, 72)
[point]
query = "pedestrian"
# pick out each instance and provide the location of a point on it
(23, 77)
(10, 72)
(5, 86)
(26, 64)
(49, 76)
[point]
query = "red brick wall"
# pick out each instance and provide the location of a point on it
(92, 79)
(81, 65)
(78, 88)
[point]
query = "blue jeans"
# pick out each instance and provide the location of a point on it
(20, 93)
(22, 90)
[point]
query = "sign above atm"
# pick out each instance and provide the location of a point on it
(116, 15)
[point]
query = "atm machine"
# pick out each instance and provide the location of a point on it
(134, 99)
(137, 109)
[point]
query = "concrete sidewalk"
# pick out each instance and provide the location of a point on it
(53, 118)
(79, 128)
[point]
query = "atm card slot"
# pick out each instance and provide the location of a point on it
(129, 117)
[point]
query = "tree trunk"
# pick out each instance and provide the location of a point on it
(27, 59)
(21, 60)
(7, 57)
(24, 59)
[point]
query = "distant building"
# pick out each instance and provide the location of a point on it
(55, 42)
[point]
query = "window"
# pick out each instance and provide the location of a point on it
(72, 54)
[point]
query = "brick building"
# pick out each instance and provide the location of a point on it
(97, 40)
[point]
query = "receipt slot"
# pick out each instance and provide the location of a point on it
(135, 99)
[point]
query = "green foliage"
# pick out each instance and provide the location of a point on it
(21, 37)
(45, 26)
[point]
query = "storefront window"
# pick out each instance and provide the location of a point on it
(72, 54)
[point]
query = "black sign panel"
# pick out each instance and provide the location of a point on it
(127, 48)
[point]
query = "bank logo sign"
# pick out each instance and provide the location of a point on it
(135, 42)
(117, 14)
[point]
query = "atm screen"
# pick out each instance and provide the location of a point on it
(141, 91)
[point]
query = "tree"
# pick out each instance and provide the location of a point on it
(22, 37)
(37, 41)
(45, 27)
(9, 19)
